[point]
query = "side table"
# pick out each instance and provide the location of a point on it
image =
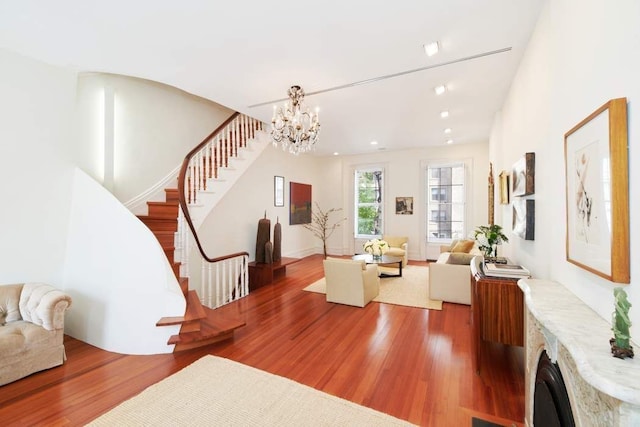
(497, 310)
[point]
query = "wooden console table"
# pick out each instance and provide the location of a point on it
(261, 274)
(497, 310)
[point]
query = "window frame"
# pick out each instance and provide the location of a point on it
(429, 167)
(357, 204)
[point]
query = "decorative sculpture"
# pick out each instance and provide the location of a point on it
(277, 241)
(268, 253)
(620, 346)
(263, 236)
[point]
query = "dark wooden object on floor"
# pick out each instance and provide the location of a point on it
(261, 274)
(497, 308)
(412, 363)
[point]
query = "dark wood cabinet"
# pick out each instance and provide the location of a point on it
(497, 311)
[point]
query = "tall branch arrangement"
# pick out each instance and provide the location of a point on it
(321, 225)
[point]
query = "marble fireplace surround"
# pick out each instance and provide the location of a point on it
(603, 390)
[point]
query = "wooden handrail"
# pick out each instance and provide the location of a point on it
(181, 191)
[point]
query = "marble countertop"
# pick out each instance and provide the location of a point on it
(586, 336)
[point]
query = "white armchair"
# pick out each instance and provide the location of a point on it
(32, 338)
(351, 282)
(398, 246)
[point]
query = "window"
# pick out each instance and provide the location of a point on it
(445, 202)
(369, 202)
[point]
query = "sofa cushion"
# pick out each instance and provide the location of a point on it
(395, 252)
(460, 258)
(10, 302)
(464, 246)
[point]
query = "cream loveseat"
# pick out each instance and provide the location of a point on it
(351, 282)
(450, 275)
(31, 329)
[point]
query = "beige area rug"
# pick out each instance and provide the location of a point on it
(214, 391)
(412, 289)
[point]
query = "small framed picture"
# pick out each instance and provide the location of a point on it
(278, 191)
(404, 205)
(504, 187)
(523, 176)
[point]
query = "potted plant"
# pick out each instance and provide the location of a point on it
(488, 238)
(321, 226)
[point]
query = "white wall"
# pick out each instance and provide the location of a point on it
(232, 225)
(405, 177)
(155, 126)
(117, 274)
(581, 55)
(36, 106)
(77, 250)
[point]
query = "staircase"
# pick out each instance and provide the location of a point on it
(200, 324)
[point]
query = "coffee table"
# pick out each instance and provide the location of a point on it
(386, 259)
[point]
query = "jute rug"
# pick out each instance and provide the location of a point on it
(412, 289)
(219, 392)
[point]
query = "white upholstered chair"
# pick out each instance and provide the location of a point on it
(351, 282)
(398, 246)
(32, 338)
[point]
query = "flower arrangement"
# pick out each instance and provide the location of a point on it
(488, 238)
(376, 247)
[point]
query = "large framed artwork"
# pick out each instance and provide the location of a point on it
(300, 203)
(523, 176)
(597, 180)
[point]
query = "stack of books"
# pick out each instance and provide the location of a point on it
(512, 271)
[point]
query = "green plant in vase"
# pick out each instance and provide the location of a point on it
(620, 322)
(488, 238)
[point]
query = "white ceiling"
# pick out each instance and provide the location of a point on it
(244, 53)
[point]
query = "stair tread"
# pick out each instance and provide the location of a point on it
(206, 332)
(156, 218)
(167, 203)
(195, 310)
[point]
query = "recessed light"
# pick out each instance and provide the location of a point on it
(431, 48)
(439, 90)
(444, 114)
(447, 130)
(335, 153)
(374, 142)
(449, 141)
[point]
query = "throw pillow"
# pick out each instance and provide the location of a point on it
(460, 258)
(463, 246)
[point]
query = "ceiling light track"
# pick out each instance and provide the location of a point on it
(389, 76)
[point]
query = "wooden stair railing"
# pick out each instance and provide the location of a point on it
(202, 325)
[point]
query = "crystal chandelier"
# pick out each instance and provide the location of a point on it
(293, 126)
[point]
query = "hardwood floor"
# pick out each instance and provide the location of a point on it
(414, 364)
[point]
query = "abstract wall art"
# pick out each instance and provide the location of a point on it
(597, 190)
